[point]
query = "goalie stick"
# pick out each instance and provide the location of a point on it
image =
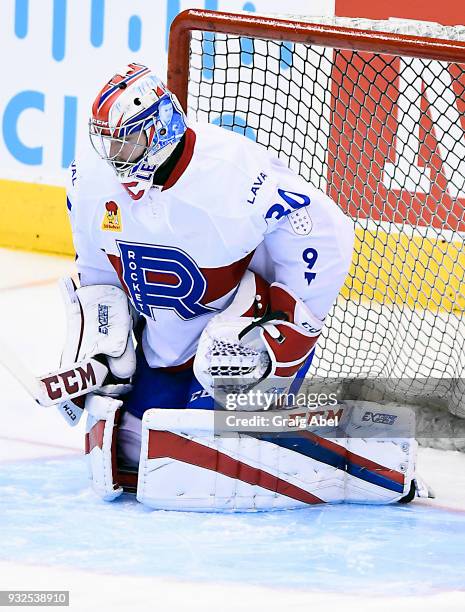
(58, 386)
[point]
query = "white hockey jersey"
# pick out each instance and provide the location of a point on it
(180, 252)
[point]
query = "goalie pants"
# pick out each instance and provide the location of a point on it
(164, 388)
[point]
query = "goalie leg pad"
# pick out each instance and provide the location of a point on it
(184, 466)
(101, 431)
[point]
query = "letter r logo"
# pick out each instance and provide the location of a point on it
(163, 277)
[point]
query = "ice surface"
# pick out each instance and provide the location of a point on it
(121, 556)
(305, 549)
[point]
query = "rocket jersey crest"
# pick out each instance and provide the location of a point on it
(162, 277)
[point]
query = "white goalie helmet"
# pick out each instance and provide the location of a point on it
(135, 126)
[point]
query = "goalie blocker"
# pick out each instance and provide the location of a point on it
(184, 465)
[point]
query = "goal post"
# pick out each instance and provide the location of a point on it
(373, 113)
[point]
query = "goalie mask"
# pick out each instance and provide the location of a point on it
(135, 126)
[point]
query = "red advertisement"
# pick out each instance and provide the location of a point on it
(388, 153)
(451, 12)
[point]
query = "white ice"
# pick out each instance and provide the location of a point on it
(56, 535)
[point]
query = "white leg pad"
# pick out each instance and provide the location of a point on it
(101, 427)
(184, 466)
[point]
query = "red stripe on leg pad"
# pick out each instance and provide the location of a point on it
(167, 444)
(95, 436)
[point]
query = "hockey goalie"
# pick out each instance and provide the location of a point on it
(203, 258)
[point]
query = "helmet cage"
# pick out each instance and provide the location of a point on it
(123, 148)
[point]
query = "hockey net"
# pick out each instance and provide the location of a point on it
(374, 117)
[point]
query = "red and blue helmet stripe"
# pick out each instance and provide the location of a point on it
(114, 88)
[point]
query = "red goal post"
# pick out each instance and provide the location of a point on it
(376, 118)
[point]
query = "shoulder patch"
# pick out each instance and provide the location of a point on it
(112, 218)
(301, 222)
